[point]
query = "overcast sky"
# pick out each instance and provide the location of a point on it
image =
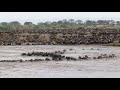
(36, 17)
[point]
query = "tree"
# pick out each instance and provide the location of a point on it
(40, 25)
(47, 24)
(71, 20)
(78, 22)
(54, 23)
(4, 23)
(118, 22)
(103, 22)
(89, 22)
(64, 20)
(60, 22)
(28, 23)
(15, 23)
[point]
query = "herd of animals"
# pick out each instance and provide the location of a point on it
(78, 36)
(58, 56)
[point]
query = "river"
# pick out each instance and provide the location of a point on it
(107, 68)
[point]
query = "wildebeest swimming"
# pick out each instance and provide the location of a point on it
(61, 58)
(102, 56)
(58, 56)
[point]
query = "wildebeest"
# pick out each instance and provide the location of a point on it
(47, 59)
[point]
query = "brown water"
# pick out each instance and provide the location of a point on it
(63, 69)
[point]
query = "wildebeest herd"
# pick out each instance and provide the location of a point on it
(58, 56)
(77, 36)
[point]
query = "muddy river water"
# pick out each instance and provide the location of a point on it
(105, 68)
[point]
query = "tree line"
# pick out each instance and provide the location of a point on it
(61, 24)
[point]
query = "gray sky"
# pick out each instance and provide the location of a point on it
(36, 17)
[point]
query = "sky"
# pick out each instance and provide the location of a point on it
(36, 17)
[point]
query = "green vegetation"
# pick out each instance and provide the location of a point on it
(61, 24)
